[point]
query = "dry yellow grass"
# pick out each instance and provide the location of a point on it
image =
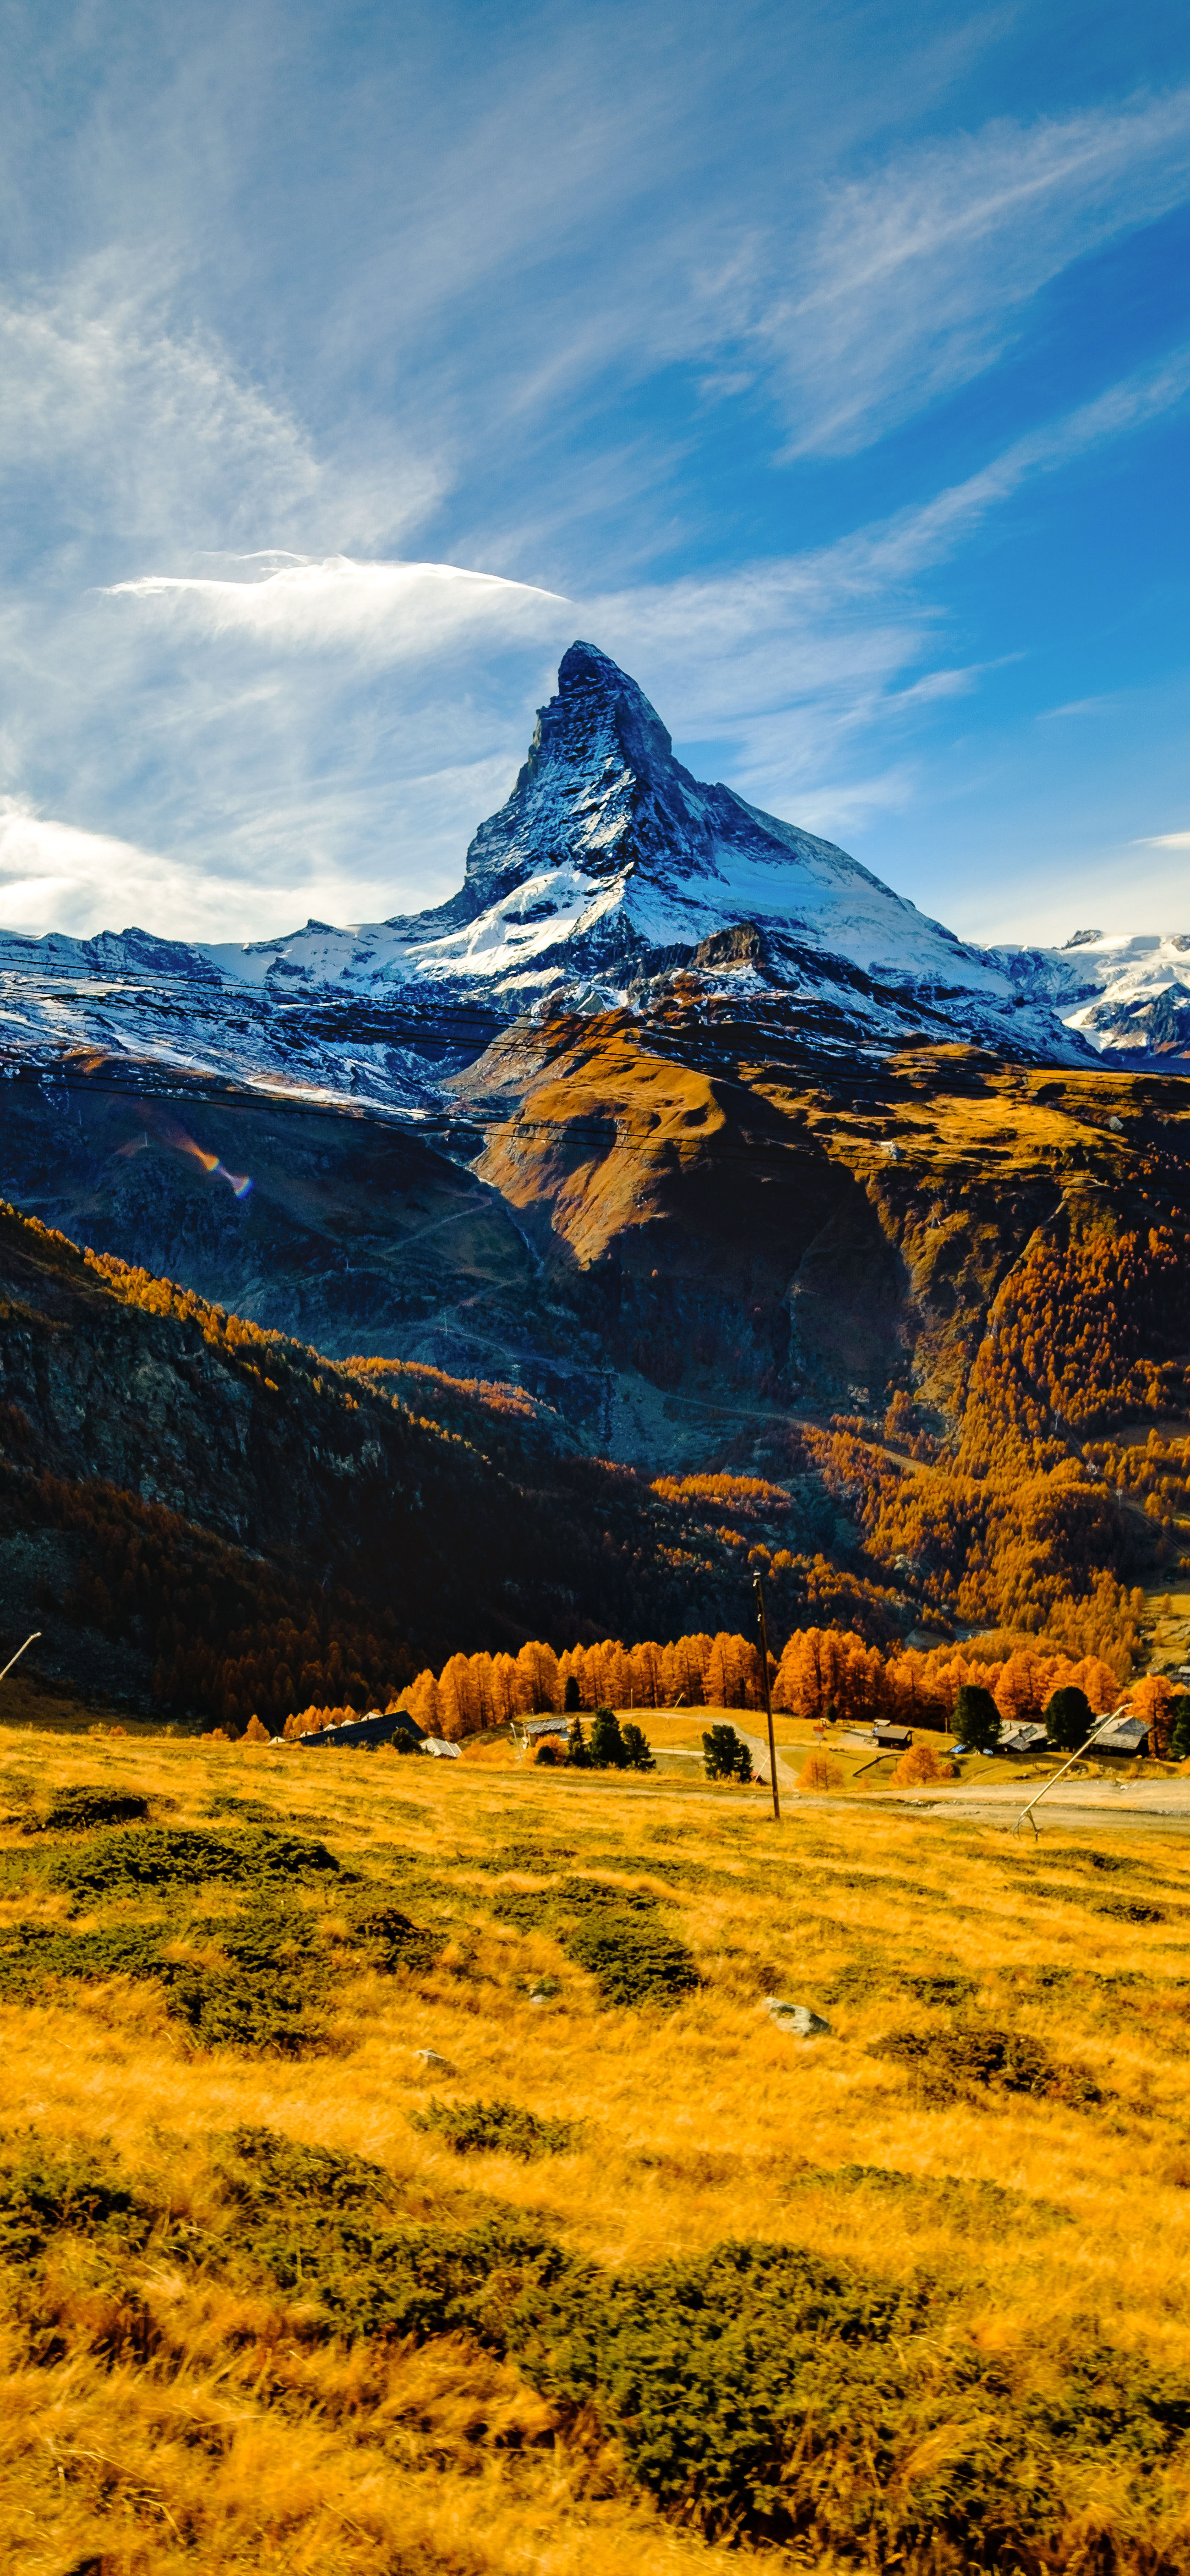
(247, 2438)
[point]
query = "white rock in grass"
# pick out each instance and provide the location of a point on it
(797, 2018)
(430, 2057)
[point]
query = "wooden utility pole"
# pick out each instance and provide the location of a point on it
(763, 1637)
(15, 1659)
(1051, 1783)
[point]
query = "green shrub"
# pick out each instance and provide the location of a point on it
(965, 2203)
(495, 2128)
(588, 1896)
(36, 1955)
(1179, 1711)
(606, 1928)
(393, 1940)
(257, 1997)
(324, 2224)
(638, 1752)
(718, 2375)
(120, 1863)
(265, 2173)
(46, 2190)
(553, 1907)
(79, 1811)
(578, 1752)
(635, 1963)
(937, 1989)
(950, 2063)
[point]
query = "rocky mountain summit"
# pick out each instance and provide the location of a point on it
(611, 878)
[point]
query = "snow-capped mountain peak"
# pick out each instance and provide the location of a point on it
(609, 863)
(608, 872)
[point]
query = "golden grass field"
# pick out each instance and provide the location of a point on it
(168, 2404)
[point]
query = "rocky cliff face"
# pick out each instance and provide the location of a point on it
(349, 1232)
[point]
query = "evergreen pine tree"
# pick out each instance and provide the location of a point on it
(724, 1757)
(1179, 1710)
(1068, 1719)
(576, 1746)
(607, 1743)
(977, 1718)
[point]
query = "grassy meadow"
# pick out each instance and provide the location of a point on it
(622, 2275)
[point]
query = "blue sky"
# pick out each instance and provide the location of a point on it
(828, 365)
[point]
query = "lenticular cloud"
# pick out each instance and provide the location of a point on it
(400, 607)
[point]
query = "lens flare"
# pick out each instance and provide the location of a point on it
(239, 1183)
(186, 1145)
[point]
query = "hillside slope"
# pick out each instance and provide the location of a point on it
(210, 1519)
(953, 1290)
(937, 1305)
(744, 1217)
(349, 1231)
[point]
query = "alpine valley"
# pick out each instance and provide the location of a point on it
(675, 1140)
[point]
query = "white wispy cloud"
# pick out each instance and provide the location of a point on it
(54, 876)
(915, 278)
(928, 533)
(128, 429)
(1075, 707)
(799, 659)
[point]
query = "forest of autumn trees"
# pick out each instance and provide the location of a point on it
(827, 1675)
(1016, 1520)
(231, 1637)
(1070, 1343)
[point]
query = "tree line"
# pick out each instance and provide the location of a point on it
(824, 1675)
